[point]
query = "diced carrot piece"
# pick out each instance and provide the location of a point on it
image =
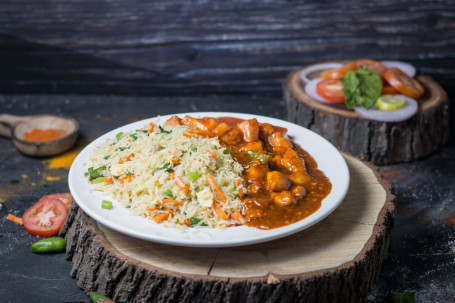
(160, 217)
(212, 153)
(152, 209)
(15, 219)
(182, 185)
(175, 160)
(219, 211)
(108, 180)
(164, 201)
(237, 216)
(215, 187)
(187, 222)
(152, 126)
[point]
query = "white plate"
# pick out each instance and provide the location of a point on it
(120, 219)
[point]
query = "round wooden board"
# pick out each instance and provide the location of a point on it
(336, 260)
(378, 142)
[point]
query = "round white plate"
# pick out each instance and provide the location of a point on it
(120, 219)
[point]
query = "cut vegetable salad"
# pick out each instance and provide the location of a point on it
(374, 89)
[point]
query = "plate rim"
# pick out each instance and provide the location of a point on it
(263, 235)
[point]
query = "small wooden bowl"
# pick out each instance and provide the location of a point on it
(16, 127)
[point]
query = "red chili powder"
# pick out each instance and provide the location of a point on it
(44, 135)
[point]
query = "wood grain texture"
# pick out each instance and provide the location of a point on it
(336, 260)
(381, 143)
(176, 46)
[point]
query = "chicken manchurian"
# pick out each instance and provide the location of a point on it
(281, 181)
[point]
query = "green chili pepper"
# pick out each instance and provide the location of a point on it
(95, 173)
(96, 297)
(105, 204)
(193, 175)
(54, 244)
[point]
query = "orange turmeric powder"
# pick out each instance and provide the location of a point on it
(44, 135)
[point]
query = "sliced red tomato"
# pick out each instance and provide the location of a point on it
(331, 90)
(388, 90)
(371, 65)
(337, 73)
(45, 217)
(64, 197)
(403, 83)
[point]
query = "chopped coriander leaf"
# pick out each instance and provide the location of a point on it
(134, 137)
(123, 148)
(129, 174)
(166, 167)
(196, 189)
(98, 180)
(161, 148)
(168, 193)
(159, 206)
(194, 220)
(193, 175)
(163, 131)
(193, 148)
(106, 157)
(105, 204)
(119, 136)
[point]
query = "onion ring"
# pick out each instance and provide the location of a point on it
(398, 115)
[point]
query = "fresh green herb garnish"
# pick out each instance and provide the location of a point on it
(119, 136)
(168, 193)
(161, 148)
(166, 167)
(235, 192)
(123, 148)
(129, 174)
(134, 137)
(195, 221)
(159, 207)
(408, 296)
(106, 157)
(196, 189)
(193, 148)
(95, 173)
(105, 204)
(361, 88)
(163, 131)
(193, 175)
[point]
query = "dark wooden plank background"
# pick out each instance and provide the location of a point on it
(179, 46)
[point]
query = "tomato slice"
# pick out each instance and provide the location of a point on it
(371, 65)
(66, 198)
(403, 83)
(45, 217)
(337, 73)
(388, 90)
(331, 90)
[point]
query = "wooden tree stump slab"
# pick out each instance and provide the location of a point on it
(336, 260)
(378, 142)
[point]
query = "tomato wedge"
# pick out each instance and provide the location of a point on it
(331, 90)
(45, 217)
(403, 83)
(371, 65)
(337, 73)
